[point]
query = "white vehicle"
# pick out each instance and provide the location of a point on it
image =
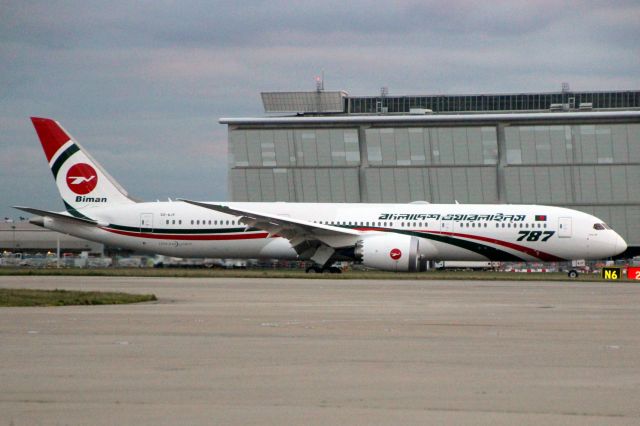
(478, 265)
(391, 237)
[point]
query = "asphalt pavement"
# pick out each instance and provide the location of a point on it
(318, 352)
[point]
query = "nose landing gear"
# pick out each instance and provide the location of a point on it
(573, 273)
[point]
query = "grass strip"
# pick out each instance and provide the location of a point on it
(28, 297)
(298, 274)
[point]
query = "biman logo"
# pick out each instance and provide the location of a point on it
(82, 178)
(395, 254)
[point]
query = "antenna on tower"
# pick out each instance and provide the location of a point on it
(381, 105)
(320, 82)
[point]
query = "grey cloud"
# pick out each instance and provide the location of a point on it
(250, 23)
(142, 84)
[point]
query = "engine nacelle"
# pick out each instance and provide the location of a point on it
(394, 252)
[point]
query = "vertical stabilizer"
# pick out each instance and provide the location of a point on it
(82, 182)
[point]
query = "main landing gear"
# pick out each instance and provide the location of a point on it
(315, 269)
(573, 273)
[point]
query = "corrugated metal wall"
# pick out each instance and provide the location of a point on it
(594, 168)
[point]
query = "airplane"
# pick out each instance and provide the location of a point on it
(390, 237)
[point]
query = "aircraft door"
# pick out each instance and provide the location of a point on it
(146, 222)
(564, 227)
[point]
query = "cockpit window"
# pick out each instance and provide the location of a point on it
(599, 226)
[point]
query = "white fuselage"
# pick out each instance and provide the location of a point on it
(454, 231)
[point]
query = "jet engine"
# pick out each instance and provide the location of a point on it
(394, 252)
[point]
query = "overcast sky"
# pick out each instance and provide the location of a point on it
(142, 84)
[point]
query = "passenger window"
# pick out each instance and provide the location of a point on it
(192, 221)
(180, 222)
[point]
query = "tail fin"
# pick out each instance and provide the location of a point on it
(82, 182)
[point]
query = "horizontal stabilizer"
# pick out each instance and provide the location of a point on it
(57, 216)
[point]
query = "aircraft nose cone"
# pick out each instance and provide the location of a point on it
(621, 244)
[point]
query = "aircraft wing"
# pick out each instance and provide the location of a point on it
(57, 216)
(295, 230)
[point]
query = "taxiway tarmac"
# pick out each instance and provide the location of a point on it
(261, 351)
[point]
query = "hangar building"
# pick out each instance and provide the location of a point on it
(574, 149)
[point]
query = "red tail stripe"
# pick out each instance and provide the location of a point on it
(51, 136)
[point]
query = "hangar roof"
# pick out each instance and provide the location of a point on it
(443, 119)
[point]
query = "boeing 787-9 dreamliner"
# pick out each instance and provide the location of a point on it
(390, 237)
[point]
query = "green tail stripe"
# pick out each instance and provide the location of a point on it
(55, 168)
(74, 212)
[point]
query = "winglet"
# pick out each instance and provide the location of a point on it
(272, 222)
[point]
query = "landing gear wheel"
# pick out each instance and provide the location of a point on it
(313, 270)
(573, 273)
